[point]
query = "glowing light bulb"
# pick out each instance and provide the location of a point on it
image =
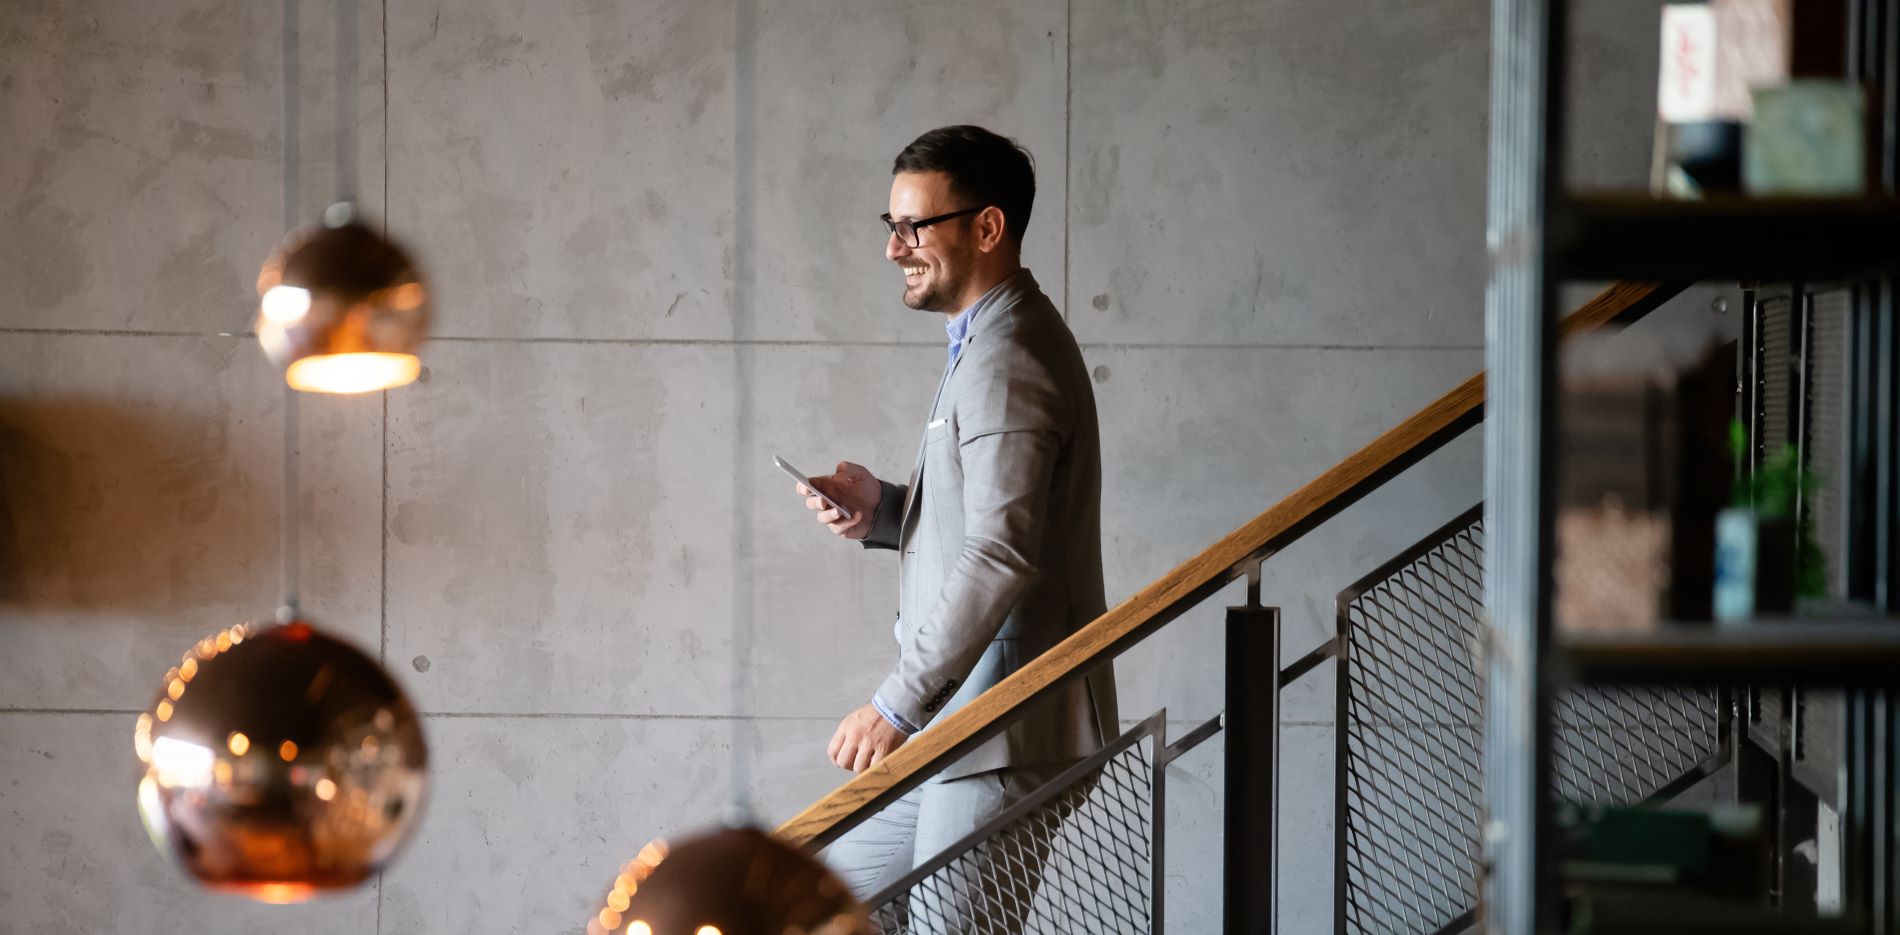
(181, 764)
(285, 304)
(353, 373)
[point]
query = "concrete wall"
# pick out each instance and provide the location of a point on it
(652, 230)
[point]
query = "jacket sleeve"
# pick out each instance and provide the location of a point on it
(1012, 422)
(885, 521)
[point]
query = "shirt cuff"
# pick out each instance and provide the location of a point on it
(897, 721)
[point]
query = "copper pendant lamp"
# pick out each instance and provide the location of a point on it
(279, 763)
(736, 881)
(342, 309)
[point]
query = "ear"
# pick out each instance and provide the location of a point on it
(991, 230)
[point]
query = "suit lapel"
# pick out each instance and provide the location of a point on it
(912, 492)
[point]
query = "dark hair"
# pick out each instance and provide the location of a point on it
(983, 167)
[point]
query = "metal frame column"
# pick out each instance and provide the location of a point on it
(1252, 768)
(1526, 71)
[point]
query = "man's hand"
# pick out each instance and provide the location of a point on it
(863, 738)
(851, 487)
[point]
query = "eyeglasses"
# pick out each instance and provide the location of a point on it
(911, 232)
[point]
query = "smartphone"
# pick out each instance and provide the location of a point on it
(802, 478)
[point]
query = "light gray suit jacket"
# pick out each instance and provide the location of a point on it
(999, 535)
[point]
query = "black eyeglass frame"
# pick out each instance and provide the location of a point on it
(916, 238)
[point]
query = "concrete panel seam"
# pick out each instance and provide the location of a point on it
(1068, 134)
(493, 715)
(611, 716)
(116, 333)
(128, 712)
(382, 625)
(685, 342)
(766, 342)
(1111, 346)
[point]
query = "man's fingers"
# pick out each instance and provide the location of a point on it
(837, 741)
(864, 758)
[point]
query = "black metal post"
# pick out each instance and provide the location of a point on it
(1253, 776)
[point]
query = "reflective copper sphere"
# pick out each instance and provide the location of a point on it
(342, 309)
(279, 763)
(739, 881)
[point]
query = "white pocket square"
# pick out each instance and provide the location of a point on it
(936, 423)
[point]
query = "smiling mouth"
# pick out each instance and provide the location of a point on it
(913, 273)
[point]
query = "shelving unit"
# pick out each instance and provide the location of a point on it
(1541, 235)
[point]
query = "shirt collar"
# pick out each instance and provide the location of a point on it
(958, 328)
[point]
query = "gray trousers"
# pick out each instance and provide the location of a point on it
(933, 816)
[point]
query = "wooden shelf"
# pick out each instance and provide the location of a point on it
(1860, 652)
(1635, 236)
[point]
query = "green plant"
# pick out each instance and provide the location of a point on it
(1772, 490)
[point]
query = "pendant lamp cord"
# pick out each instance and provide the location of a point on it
(346, 101)
(288, 520)
(291, 531)
(291, 129)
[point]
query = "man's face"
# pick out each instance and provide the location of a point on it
(935, 271)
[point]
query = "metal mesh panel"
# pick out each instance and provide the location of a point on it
(1080, 861)
(1777, 379)
(1413, 742)
(1829, 373)
(1411, 790)
(1617, 745)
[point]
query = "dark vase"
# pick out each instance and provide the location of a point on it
(1774, 565)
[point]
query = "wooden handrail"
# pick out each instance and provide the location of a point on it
(1188, 584)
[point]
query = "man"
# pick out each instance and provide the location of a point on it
(998, 530)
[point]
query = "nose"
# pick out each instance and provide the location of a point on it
(895, 248)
